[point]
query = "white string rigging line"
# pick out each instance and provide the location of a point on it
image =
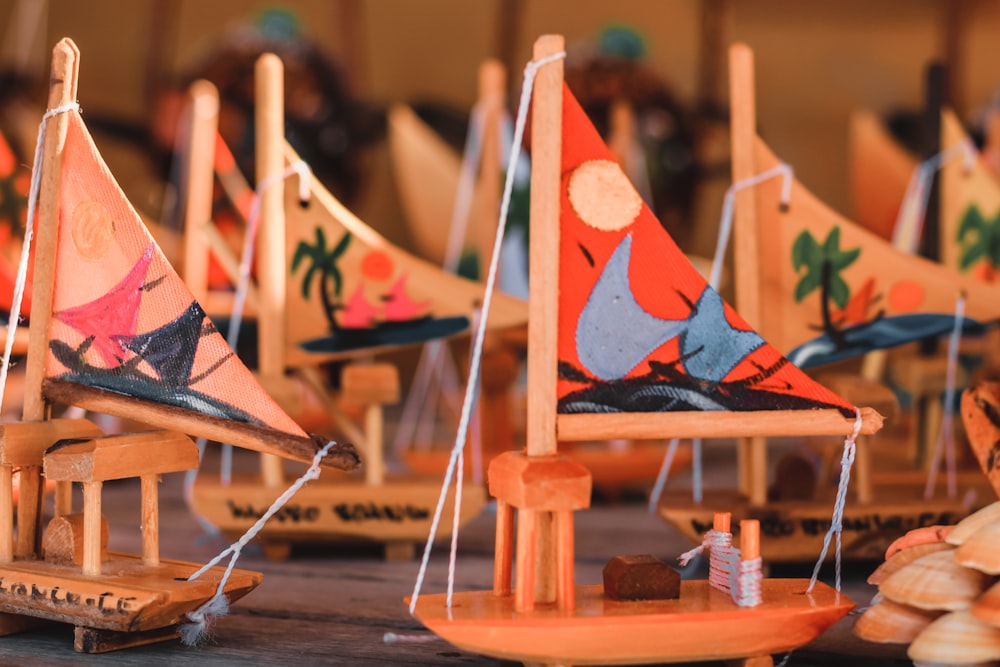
(909, 225)
(470, 390)
(836, 521)
(236, 318)
(946, 437)
(29, 224)
(218, 605)
(783, 170)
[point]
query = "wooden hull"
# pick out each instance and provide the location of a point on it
(128, 597)
(397, 511)
(703, 624)
(633, 463)
(794, 531)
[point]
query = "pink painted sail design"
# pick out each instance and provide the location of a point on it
(124, 323)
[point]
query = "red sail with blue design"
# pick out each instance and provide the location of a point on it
(639, 329)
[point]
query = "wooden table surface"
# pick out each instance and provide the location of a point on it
(332, 605)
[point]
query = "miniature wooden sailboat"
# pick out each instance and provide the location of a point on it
(331, 288)
(833, 290)
(625, 340)
(428, 173)
(113, 330)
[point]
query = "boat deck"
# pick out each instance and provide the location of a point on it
(333, 605)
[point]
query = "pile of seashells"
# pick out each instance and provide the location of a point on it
(938, 592)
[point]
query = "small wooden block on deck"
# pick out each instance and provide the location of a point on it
(24, 443)
(642, 577)
(545, 483)
(63, 540)
(120, 456)
(370, 383)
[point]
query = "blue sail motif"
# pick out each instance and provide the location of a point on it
(614, 333)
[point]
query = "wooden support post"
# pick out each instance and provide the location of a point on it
(545, 557)
(749, 539)
(503, 550)
(863, 470)
(6, 513)
(272, 470)
(758, 471)
(29, 514)
(744, 447)
(150, 520)
(374, 460)
(92, 528)
(524, 587)
(63, 498)
(565, 571)
(203, 126)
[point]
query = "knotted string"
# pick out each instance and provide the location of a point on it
(836, 522)
(909, 224)
(946, 438)
(29, 225)
(201, 618)
(726, 222)
(477, 348)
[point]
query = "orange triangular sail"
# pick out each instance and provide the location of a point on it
(124, 323)
(639, 328)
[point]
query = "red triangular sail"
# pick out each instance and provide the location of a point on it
(639, 329)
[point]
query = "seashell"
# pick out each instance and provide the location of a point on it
(916, 537)
(981, 418)
(981, 550)
(888, 622)
(935, 581)
(902, 558)
(987, 606)
(957, 638)
(973, 522)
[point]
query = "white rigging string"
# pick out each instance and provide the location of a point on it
(471, 388)
(29, 224)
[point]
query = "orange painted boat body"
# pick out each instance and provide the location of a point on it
(703, 624)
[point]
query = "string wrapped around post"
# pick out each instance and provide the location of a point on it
(22, 266)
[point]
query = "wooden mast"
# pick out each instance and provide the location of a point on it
(62, 91)
(545, 488)
(270, 136)
(752, 452)
(199, 172)
(543, 303)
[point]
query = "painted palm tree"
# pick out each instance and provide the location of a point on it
(823, 264)
(980, 240)
(322, 261)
